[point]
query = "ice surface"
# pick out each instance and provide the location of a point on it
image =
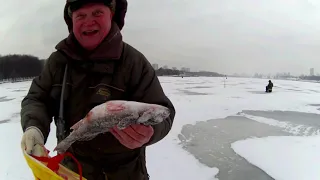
(283, 158)
(195, 99)
(296, 129)
(12, 163)
(17, 169)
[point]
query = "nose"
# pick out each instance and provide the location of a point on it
(89, 21)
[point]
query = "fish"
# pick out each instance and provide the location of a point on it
(113, 113)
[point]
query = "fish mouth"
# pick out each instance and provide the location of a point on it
(152, 121)
(159, 118)
(165, 113)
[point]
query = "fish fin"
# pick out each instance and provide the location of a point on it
(64, 145)
(127, 121)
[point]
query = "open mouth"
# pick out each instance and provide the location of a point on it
(90, 32)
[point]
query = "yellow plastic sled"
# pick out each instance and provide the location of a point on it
(49, 168)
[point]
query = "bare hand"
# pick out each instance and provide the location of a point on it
(133, 136)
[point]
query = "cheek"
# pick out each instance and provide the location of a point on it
(106, 19)
(77, 27)
(105, 23)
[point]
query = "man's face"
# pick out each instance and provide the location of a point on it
(91, 24)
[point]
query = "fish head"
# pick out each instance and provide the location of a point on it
(161, 112)
(154, 114)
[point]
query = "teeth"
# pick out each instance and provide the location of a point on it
(89, 32)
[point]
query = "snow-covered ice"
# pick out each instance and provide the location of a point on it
(283, 158)
(198, 99)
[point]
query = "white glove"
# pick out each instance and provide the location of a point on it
(32, 139)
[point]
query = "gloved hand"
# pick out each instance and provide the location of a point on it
(32, 139)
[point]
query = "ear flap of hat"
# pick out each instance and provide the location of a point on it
(66, 17)
(120, 13)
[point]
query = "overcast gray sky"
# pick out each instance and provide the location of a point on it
(226, 36)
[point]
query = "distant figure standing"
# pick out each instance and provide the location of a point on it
(269, 86)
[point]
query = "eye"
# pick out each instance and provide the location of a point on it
(97, 13)
(80, 16)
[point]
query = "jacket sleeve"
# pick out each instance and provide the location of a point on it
(34, 107)
(145, 87)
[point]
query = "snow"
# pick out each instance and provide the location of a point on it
(284, 158)
(172, 162)
(198, 99)
(292, 128)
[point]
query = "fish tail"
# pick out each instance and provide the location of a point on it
(64, 145)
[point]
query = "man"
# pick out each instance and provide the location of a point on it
(269, 86)
(91, 66)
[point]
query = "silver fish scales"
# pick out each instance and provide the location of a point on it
(117, 113)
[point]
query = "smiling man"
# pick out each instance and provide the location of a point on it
(91, 66)
(90, 33)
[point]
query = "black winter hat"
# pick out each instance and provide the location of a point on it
(120, 10)
(77, 4)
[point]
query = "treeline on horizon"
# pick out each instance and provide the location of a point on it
(19, 66)
(174, 72)
(312, 78)
(15, 66)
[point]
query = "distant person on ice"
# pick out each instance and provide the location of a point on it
(98, 66)
(269, 86)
